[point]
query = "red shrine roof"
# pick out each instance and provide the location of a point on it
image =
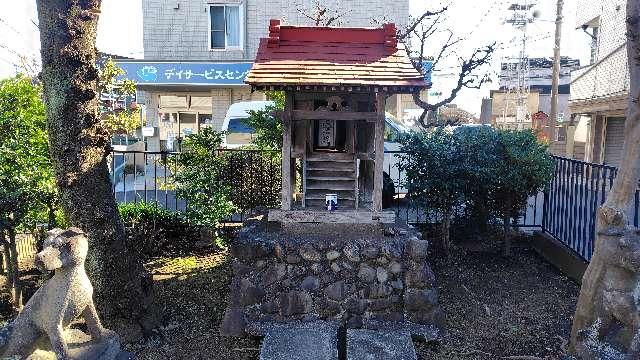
(312, 57)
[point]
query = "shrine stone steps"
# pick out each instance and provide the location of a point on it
(331, 165)
(327, 177)
(320, 195)
(330, 186)
(380, 345)
(312, 173)
(332, 174)
(331, 156)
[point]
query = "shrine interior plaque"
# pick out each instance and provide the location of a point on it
(326, 134)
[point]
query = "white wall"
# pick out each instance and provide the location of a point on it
(183, 33)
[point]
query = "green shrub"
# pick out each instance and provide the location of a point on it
(200, 179)
(480, 172)
(268, 128)
(524, 169)
(433, 166)
(153, 231)
(253, 178)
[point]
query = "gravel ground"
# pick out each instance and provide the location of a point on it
(496, 307)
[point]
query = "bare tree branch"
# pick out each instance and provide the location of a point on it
(418, 21)
(466, 79)
(321, 15)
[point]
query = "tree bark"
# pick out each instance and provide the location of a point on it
(14, 275)
(507, 234)
(78, 146)
(446, 232)
(608, 296)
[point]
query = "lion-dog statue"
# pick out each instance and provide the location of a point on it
(62, 299)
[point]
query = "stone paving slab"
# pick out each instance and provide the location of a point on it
(302, 341)
(365, 344)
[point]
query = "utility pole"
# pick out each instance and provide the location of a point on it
(553, 117)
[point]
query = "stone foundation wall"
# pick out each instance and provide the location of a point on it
(356, 276)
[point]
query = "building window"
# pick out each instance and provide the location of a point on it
(226, 26)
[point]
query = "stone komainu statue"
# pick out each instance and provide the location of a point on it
(63, 298)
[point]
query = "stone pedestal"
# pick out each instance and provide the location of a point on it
(359, 275)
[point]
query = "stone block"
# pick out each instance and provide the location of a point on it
(355, 305)
(433, 317)
(274, 273)
(295, 303)
(417, 249)
(233, 323)
(370, 252)
(420, 300)
(378, 291)
(366, 273)
(310, 283)
(421, 277)
(379, 345)
(309, 341)
(249, 293)
(332, 255)
(309, 253)
(338, 291)
(293, 259)
(381, 274)
(352, 252)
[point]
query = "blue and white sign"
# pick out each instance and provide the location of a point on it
(427, 66)
(185, 73)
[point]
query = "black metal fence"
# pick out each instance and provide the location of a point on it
(577, 190)
(565, 211)
(253, 176)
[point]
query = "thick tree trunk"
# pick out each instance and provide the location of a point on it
(608, 311)
(78, 146)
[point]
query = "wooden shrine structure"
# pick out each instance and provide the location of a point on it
(336, 81)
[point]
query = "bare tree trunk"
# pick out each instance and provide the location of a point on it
(14, 277)
(6, 254)
(446, 232)
(506, 228)
(608, 307)
(78, 146)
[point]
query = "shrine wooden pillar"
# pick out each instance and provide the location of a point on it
(379, 153)
(287, 186)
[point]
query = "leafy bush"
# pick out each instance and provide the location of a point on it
(481, 172)
(433, 164)
(199, 179)
(268, 128)
(524, 169)
(153, 231)
(254, 177)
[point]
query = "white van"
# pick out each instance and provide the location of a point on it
(237, 132)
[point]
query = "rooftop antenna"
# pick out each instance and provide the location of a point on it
(517, 92)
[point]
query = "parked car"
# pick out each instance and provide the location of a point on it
(392, 131)
(237, 132)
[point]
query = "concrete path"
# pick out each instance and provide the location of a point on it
(379, 345)
(318, 340)
(310, 341)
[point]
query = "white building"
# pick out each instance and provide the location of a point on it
(599, 90)
(538, 80)
(197, 53)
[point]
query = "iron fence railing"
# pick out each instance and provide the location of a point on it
(149, 176)
(566, 210)
(577, 190)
